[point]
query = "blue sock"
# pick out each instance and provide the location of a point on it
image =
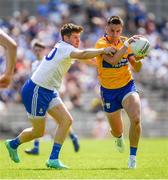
(14, 143)
(72, 136)
(36, 144)
(55, 151)
(133, 151)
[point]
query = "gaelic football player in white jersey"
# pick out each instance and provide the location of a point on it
(38, 92)
(10, 52)
(39, 51)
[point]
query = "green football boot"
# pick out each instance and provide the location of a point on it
(120, 144)
(56, 164)
(12, 152)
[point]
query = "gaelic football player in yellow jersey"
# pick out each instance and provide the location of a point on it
(117, 85)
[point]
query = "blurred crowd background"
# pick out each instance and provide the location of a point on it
(25, 20)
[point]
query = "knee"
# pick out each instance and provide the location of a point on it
(136, 123)
(67, 122)
(135, 118)
(38, 134)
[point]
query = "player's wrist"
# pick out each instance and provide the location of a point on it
(126, 43)
(138, 59)
(104, 51)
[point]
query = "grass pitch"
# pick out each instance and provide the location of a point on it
(97, 159)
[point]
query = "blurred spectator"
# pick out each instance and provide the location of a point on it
(101, 127)
(148, 114)
(43, 8)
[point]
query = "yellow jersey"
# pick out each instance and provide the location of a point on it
(113, 76)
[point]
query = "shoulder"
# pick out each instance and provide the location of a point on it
(100, 42)
(65, 46)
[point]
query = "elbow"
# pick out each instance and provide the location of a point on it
(13, 49)
(14, 45)
(137, 70)
(114, 63)
(84, 55)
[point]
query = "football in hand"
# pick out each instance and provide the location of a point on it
(140, 47)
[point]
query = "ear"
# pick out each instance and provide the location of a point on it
(66, 38)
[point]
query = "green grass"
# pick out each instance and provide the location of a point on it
(96, 159)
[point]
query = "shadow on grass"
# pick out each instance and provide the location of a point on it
(30, 169)
(71, 169)
(96, 169)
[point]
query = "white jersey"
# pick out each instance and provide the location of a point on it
(54, 66)
(35, 65)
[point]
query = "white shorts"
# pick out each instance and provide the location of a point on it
(55, 102)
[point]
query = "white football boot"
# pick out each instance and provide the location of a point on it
(132, 162)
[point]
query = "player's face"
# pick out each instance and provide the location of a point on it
(114, 31)
(74, 39)
(39, 52)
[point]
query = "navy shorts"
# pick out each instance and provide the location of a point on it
(113, 98)
(36, 99)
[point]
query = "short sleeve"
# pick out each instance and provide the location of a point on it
(63, 50)
(68, 49)
(99, 45)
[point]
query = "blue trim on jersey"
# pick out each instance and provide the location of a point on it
(36, 99)
(106, 64)
(112, 98)
(121, 63)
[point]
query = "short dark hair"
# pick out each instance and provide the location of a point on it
(115, 20)
(68, 29)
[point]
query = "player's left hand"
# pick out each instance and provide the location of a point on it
(139, 58)
(110, 51)
(5, 80)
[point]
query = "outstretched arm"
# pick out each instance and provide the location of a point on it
(90, 62)
(90, 53)
(10, 49)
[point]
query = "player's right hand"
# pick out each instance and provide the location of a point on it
(133, 38)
